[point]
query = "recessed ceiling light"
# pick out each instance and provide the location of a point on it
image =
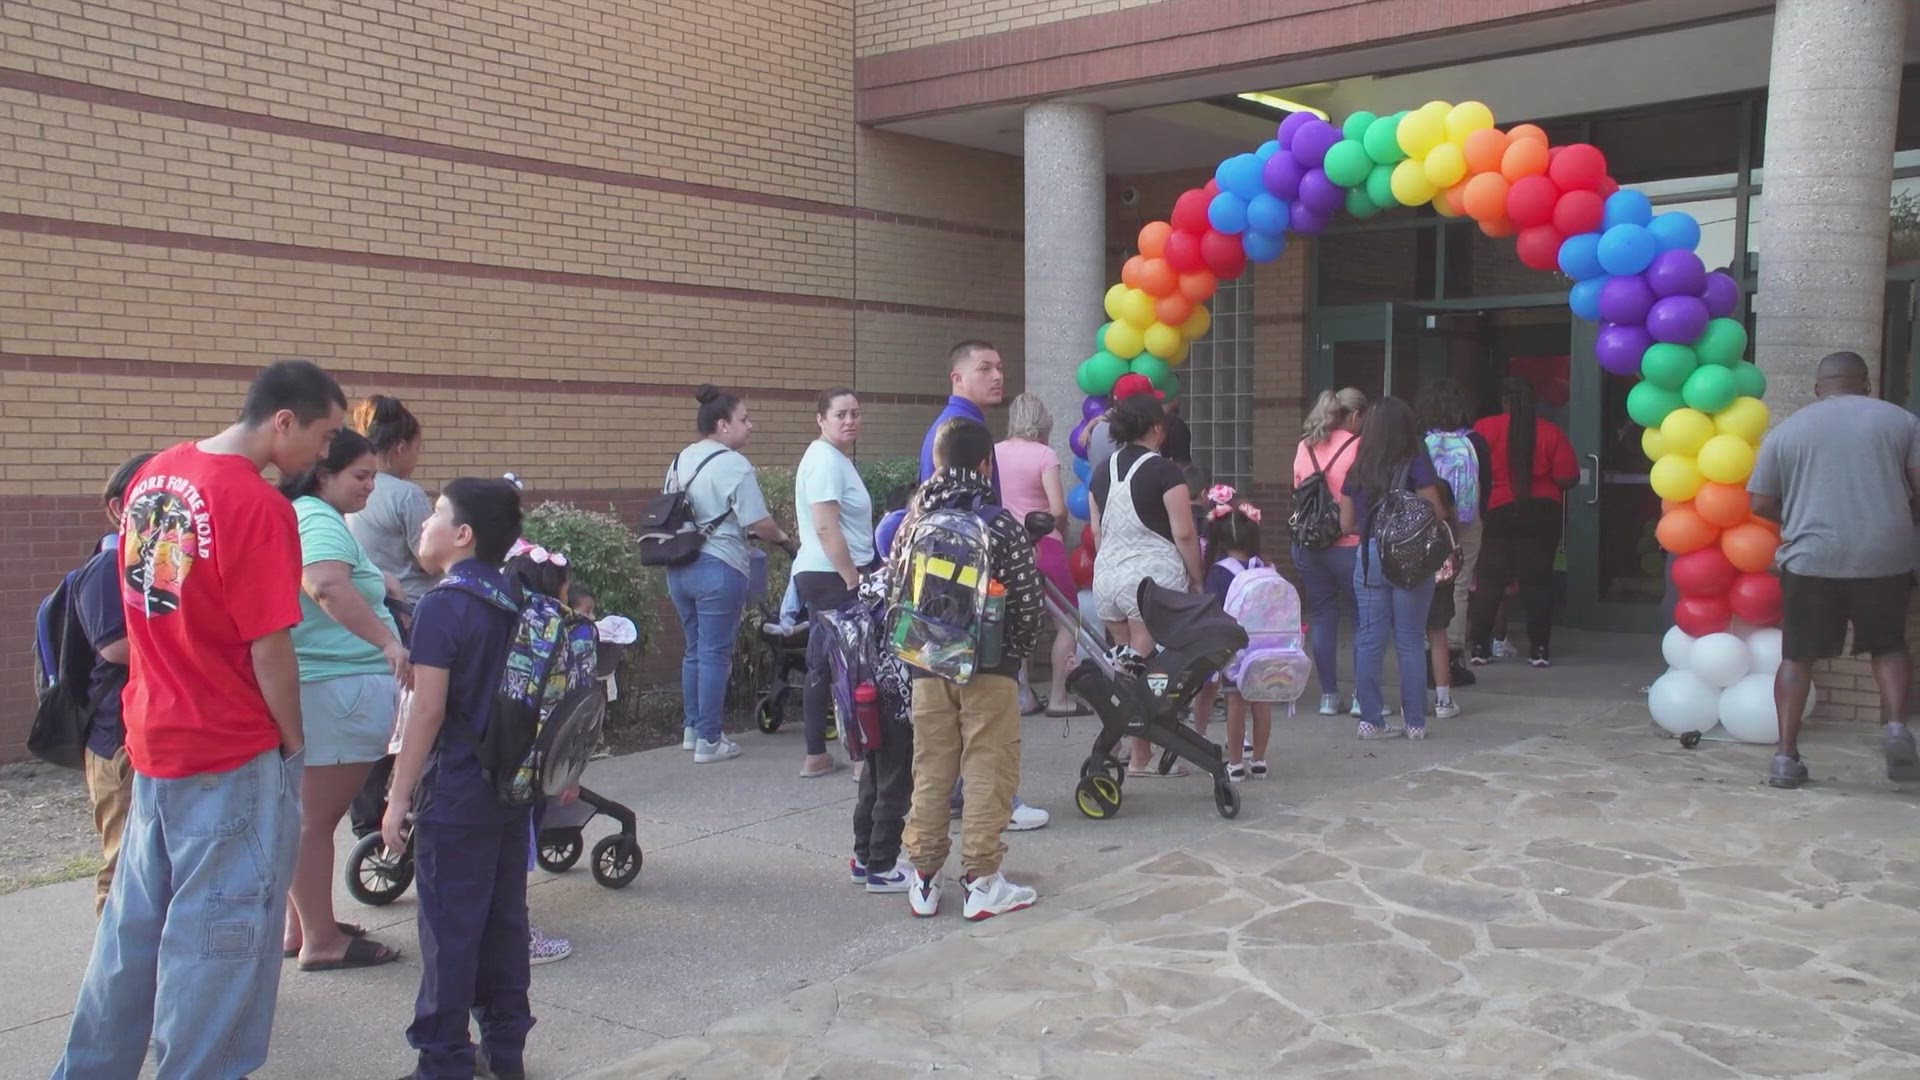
(1274, 101)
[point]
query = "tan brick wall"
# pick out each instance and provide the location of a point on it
(888, 25)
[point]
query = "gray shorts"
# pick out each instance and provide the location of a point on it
(349, 719)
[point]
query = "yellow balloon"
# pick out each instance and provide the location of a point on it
(1443, 208)
(1180, 355)
(1446, 165)
(1137, 308)
(1419, 133)
(1747, 417)
(1684, 431)
(1726, 459)
(1651, 444)
(1125, 340)
(1676, 477)
(1410, 184)
(1197, 324)
(1163, 340)
(1466, 118)
(1114, 296)
(1437, 109)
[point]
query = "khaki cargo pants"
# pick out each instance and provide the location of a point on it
(970, 731)
(110, 786)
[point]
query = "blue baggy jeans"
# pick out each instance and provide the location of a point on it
(709, 596)
(1326, 579)
(1400, 615)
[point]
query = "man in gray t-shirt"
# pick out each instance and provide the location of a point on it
(1841, 476)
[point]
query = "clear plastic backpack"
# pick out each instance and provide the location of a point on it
(1274, 666)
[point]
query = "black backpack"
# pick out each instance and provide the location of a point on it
(1315, 521)
(1413, 538)
(668, 534)
(63, 662)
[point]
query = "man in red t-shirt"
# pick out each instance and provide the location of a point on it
(187, 956)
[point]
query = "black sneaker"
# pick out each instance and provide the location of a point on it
(1538, 657)
(1482, 656)
(1461, 675)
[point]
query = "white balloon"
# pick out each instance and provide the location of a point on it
(1681, 702)
(1746, 710)
(1763, 650)
(1676, 647)
(1740, 627)
(1719, 659)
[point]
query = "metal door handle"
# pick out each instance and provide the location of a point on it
(1595, 458)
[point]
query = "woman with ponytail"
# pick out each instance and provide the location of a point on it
(1533, 466)
(1329, 443)
(389, 527)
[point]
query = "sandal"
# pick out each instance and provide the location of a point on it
(361, 953)
(1179, 769)
(352, 930)
(1080, 708)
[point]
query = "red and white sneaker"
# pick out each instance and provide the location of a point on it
(923, 895)
(995, 895)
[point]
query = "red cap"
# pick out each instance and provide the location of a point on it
(1132, 384)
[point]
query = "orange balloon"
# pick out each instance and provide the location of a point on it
(1668, 506)
(1198, 285)
(1153, 238)
(1130, 271)
(1485, 196)
(1499, 229)
(1484, 149)
(1524, 158)
(1157, 278)
(1749, 547)
(1725, 505)
(1173, 309)
(1683, 531)
(1526, 131)
(1771, 526)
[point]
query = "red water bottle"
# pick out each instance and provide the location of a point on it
(866, 713)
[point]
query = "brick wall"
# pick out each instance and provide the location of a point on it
(888, 25)
(539, 224)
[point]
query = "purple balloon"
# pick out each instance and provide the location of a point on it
(1092, 407)
(1281, 174)
(1679, 319)
(1319, 193)
(1308, 221)
(1677, 273)
(1312, 141)
(1077, 440)
(1722, 295)
(1291, 126)
(1626, 300)
(1620, 346)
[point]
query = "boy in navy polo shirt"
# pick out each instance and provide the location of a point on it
(469, 848)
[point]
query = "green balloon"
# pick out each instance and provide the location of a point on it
(1097, 373)
(1710, 388)
(1170, 386)
(1348, 163)
(1382, 141)
(1155, 369)
(1359, 205)
(1648, 404)
(1380, 187)
(1749, 379)
(1723, 342)
(1667, 366)
(1355, 126)
(1100, 338)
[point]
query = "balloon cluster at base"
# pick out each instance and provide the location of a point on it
(1664, 319)
(1722, 680)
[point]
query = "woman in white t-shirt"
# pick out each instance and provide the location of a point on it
(836, 543)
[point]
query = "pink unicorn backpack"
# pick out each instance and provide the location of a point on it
(1274, 666)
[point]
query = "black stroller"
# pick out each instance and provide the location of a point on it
(786, 646)
(1197, 639)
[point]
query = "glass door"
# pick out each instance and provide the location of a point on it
(1378, 348)
(1616, 572)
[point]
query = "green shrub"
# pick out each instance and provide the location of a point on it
(604, 555)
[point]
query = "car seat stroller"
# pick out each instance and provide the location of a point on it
(786, 645)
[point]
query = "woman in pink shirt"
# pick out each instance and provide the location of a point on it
(1328, 444)
(1030, 480)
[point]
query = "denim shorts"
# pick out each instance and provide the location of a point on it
(348, 719)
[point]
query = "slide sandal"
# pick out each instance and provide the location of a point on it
(350, 929)
(361, 953)
(1079, 709)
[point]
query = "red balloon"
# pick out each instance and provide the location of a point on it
(1183, 249)
(1539, 247)
(1086, 540)
(1579, 167)
(1579, 212)
(1756, 598)
(1223, 254)
(1704, 573)
(1699, 616)
(1190, 213)
(1607, 186)
(1080, 564)
(1530, 201)
(1212, 189)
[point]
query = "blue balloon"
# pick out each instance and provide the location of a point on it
(1627, 249)
(1266, 214)
(1082, 468)
(1262, 247)
(1626, 208)
(1580, 258)
(1584, 300)
(1267, 150)
(1675, 230)
(1227, 213)
(1240, 174)
(1077, 502)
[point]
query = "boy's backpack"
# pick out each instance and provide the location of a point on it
(668, 534)
(1315, 521)
(549, 706)
(1413, 539)
(62, 680)
(937, 614)
(1458, 463)
(1273, 666)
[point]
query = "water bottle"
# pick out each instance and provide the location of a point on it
(866, 713)
(992, 626)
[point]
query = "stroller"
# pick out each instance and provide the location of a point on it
(1197, 639)
(786, 645)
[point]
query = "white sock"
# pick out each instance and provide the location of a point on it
(1896, 727)
(1444, 695)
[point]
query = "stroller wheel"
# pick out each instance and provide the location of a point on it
(1167, 758)
(616, 861)
(560, 850)
(1098, 797)
(375, 876)
(1226, 798)
(772, 711)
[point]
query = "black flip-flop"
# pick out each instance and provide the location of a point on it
(352, 930)
(361, 953)
(1079, 709)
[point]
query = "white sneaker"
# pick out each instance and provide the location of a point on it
(706, 752)
(1446, 710)
(688, 739)
(1027, 817)
(995, 895)
(1329, 704)
(897, 880)
(1504, 651)
(923, 894)
(542, 949)
(1386, 707)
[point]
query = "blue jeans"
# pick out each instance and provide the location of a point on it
(472, 885)
(1402, 614)
(187, 955)
(1326, 578)
(709, 595)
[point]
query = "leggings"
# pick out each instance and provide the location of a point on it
(1518, 543)
(820, 591)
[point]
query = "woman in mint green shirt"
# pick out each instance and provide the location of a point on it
(352, 666)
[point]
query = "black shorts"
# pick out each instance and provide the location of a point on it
(1440, 612)
(1817, 611)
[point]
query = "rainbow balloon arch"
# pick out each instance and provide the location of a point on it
(1664, 319)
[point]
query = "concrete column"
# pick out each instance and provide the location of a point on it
(1066, 245)
(1833, 96)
